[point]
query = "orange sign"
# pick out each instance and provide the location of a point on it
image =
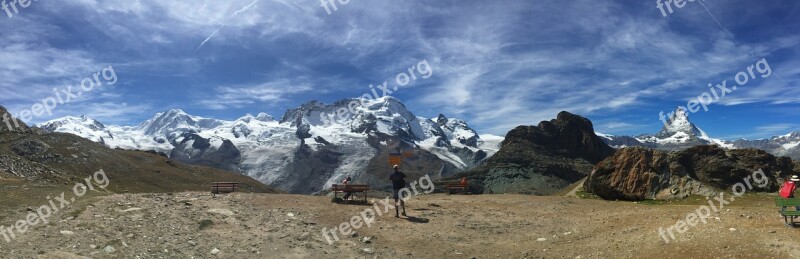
(394, 158)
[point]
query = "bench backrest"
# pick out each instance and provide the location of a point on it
(224, 184)
(787, 202)
(351, 187)
(225, 187)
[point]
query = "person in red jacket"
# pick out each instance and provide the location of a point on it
(788, 189)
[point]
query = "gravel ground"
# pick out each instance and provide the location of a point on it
(197, 225)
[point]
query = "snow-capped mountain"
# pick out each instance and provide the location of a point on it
(311, 147)
(784, 145)
(678, 133)
(82, 126)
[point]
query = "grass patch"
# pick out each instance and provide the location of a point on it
(206, 223)
(586, 195)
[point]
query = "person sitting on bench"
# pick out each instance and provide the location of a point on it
(463, 181)
(788, 189)
(346, 182)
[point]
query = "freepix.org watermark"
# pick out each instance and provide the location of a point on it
(330, 5)
(61, 97)
(422, 70)
(11, 7)
(703, 213)
(715, 93)
(667, 4)
(43, 213)
(367, 217)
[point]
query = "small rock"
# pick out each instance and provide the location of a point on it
(67, 232)
(772, 231)
(214, 251)
(187, 203)
(224, 212)
(732, 229)
(368, 250)
(366, 240)
(109, 249)
(541, 239)
(290, 214)
(303, 237)
(354, 234)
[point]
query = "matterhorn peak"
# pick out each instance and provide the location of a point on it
(678, 128)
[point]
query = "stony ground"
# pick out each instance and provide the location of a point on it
(197, 225)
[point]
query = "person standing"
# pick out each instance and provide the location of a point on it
(398, 183)
(346, 182)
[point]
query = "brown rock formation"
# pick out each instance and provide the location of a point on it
(638, 173)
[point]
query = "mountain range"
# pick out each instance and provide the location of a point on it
(679, 133)
(49, 161)
(301, 152)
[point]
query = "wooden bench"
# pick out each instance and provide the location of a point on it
(351, 188)
(787, 214)
(456, 187)
(223, 187)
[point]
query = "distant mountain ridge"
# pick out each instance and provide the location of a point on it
(679, 133)
(300, 153)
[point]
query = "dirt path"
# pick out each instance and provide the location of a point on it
(187, 225)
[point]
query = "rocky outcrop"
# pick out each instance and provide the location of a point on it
(217, 153)
(638, 173)
(8, 123)
(542, 159)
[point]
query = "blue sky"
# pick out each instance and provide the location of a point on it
(496, 64)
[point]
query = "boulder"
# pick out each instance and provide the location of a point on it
(638, 173)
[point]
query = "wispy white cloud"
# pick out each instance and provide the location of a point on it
(270, 93)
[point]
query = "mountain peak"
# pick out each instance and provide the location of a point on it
(176, 112)
(264, 117)
(679, 123)
(441, 120)
(176, 120)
